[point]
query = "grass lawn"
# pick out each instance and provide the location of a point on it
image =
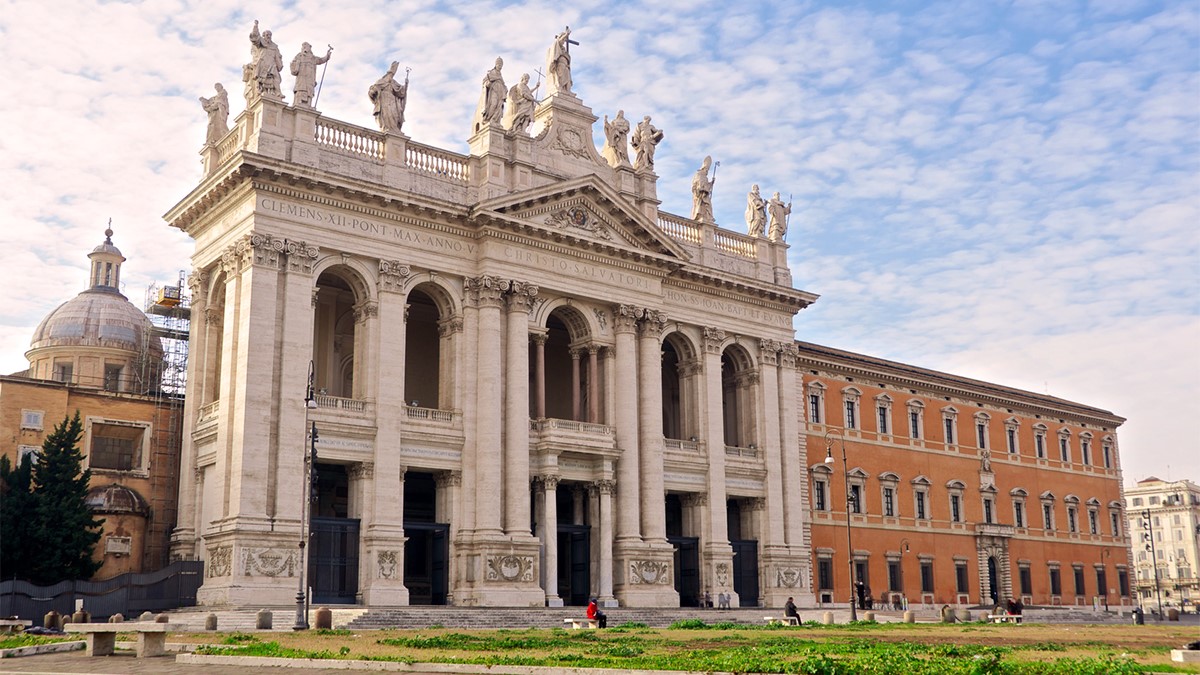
(865, 648)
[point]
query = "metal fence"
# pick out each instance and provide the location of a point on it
(129, 594)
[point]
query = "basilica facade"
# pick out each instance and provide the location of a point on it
(528, 384)
(507, 378)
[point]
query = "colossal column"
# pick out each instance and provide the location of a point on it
(718, 554)
(516, 410)
(183, 537)
(650, 426)
(487, 293)
(626, 418)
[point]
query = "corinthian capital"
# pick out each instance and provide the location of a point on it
(521, 296)
(625, 318)
(486, 290)
(713, 337)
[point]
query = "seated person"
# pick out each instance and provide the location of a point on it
(594, 613)
(789, 610)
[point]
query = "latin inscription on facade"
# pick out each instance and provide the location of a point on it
(576, 268)
(732, 309)
(346, 222)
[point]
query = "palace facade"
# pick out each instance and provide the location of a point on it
(521, 383)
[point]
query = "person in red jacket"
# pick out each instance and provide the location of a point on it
(594, 613)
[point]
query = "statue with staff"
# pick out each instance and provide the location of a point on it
(702, 187)
(491, 100)
(779, 217)
(265, 65)
(390, 98)
(304, 68)
(521, 100)
(558, 63)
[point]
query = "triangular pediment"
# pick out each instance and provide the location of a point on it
(587, 209)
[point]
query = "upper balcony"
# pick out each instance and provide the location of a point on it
(549, 434)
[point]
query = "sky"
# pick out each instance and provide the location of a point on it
(1007, 191)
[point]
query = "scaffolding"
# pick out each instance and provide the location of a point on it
(165, 379)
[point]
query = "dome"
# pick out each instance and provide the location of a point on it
(97, 317)
(116, 499)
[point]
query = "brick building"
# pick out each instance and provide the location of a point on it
(965, 492)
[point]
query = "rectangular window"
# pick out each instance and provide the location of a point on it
(1107, 456)
(1039, 442)
(1047, 517)
(1101, 581)
(1018, 514)
(981, 434)
(961, 580)
(1080, 589)
(883, 419)
(825, 574)
(987, 511)
(1123, 581)
(1115, 523)
(855, 501)
(116, 447)
(1093, 522)
(1072, 518)
(926, 577)
(1064, 449)
(955, 509)
(1055, 582)
(851, 418)
(814, 408)
(914, 424)
(921, 506)
(112, 377)
(949, 430)
(889, 501)
(1085, 448)
(31, 450)
(820, 494)
(64, 372)
(862, 572)
(32, 419)
(895, 582)
(1011, 436)
(1026, 581)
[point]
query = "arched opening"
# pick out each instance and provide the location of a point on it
(214, 317)
(423, 352)
(571, 374)
(334, 336)
(993, 580)
(737, 380)
(672, 395)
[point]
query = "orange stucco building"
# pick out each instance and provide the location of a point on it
(963, 492)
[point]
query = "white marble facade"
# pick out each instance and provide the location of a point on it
(568, 383)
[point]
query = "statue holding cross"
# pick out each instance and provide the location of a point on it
(558, 63)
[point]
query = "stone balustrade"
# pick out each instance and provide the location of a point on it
(208, 413)
(349, 138)
(429, 414)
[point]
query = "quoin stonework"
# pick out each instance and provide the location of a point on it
(531, 386)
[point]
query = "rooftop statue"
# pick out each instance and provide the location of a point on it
(779, 218)
(558, 63)
(304, 67)
(217, 108)
(702, 187)
(520, 105)
(390, 98)
(756, 213)
(265, 63)
(491, 99)
(616, 140)
(646, 138)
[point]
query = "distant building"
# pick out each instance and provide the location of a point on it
(966, 492)
(1164, 524)
(100, 355)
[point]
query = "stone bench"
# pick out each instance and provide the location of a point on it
(785, 621)
(1004, 618)
(584, 624)
(14, 625)
(102, 637)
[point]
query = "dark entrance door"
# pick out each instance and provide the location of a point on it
(425, 562)
(574, 564)
(745, 571)
(687, 570)
(333, 561)
(993, 580)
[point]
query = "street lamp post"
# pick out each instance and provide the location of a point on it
(1148, 526)
(310, 453)
(849, 502)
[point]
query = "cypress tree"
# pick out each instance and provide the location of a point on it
(64, 530)
(16, 515)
